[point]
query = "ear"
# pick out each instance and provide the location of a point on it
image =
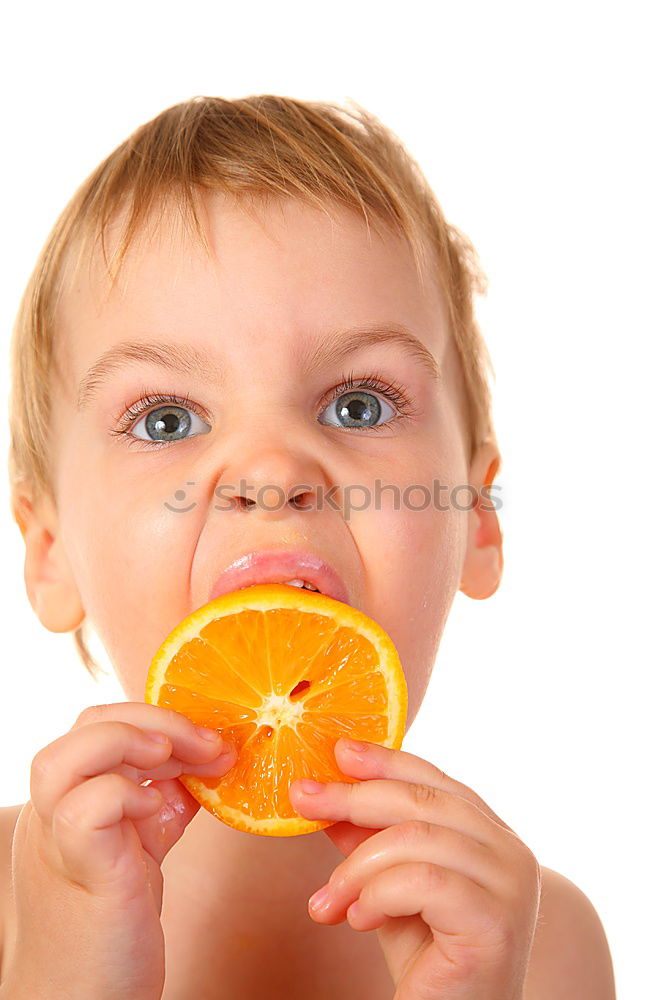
(483, 563)
(49, 582)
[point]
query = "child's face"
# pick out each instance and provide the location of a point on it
(142, 555)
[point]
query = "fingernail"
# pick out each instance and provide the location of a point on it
(319, 899)
(208, 734)
(311, 787)
(355, 745)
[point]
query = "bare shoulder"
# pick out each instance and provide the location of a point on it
(8, 817)
(570, 959)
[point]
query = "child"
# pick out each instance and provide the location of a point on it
(249, 294)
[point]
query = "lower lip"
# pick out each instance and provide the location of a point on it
(239, 575)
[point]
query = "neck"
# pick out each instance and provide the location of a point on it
(218, 859)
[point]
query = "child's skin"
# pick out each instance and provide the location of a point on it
(453, 890)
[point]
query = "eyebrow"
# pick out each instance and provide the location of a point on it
(339, 344)
(185, 359)
(191, 361)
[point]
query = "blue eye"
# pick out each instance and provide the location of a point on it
(170, 423)
(358, 409)
(176, 419)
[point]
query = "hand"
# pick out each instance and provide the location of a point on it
(452, 891)
(87, 851)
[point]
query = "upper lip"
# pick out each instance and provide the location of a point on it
(279, 566)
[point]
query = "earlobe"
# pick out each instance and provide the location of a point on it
(50, 585)
(483, 563)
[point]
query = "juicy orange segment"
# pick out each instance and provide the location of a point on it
(282, 673)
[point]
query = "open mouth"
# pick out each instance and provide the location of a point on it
(301, 583)
(295, 568)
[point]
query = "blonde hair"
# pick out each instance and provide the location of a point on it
(260, 146)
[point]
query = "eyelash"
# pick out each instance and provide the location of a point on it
(147, 401)
(393, 391)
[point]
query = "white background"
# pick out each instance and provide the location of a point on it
(540, 129)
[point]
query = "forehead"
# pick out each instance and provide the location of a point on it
(283, 270)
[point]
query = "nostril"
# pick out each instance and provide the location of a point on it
(301, 498)
(245, 503)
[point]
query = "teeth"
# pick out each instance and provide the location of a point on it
(300, 583)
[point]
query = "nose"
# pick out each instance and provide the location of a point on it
(273, 481)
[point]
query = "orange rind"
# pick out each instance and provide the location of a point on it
(281, 673)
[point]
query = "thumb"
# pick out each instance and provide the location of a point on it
(160, 831)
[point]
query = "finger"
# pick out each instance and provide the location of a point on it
(377, 761)
(381, 803)
(99, 851)
(174, 768)
(450, 903)
(186, 738)
(347, 836)
(159, 831)
(99, 747)
(408, 842)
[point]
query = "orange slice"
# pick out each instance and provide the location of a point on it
(282, 673)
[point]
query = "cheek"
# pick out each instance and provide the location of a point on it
(413, 560)
(131, 558)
